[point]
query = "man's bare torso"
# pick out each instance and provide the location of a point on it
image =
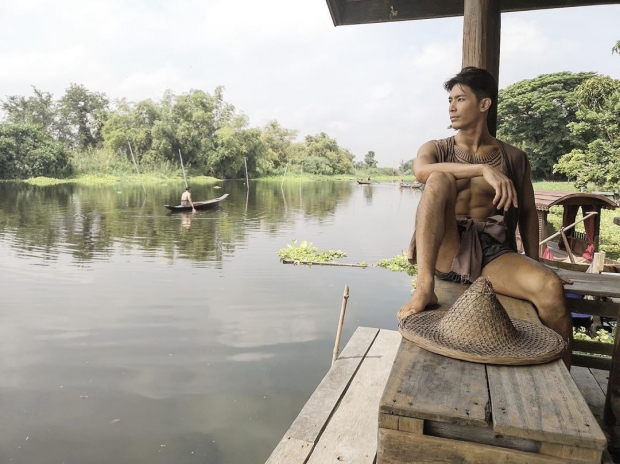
(474, 197)
(186, 196)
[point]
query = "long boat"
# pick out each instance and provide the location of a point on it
(364, 182)
(581, 246)
(198, 204)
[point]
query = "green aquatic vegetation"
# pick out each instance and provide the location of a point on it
(398, 263)
(307, 253)
(601, 336)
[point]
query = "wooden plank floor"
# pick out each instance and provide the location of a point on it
(339, 422)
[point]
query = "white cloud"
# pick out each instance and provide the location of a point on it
(373, 87)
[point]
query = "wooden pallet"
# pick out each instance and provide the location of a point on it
(437, 409)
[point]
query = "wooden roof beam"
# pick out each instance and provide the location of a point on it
(348, 12)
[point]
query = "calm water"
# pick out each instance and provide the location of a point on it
(132, 335)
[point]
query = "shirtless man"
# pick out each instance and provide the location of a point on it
(477, 190)
(186, 199)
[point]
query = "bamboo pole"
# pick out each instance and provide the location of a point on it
(284, 176)
(343, 309)
(568, 227)
(183, 168)
(318, 263)
(136, 165)
(567, 245)
(247, 179)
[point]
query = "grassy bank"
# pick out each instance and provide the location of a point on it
(108, 179)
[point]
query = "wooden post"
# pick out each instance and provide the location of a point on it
(247, 179)
(598, 262)
(481, 38)
(343, 309)
(136, 165)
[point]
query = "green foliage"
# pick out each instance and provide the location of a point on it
(398, 263)
(616, 48)
(306, 253)
(406, 167)
(598, 123)
(214, 140)
(369, 159)
(533, 115)
(82, 114)
(27, 150)
(601, 336)
(321, 146)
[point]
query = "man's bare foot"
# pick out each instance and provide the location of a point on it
(417, 303)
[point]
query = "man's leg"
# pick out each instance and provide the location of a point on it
(437, 239)
(532, 281)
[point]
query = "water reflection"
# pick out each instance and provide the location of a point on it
(125, 328)
(187, 220)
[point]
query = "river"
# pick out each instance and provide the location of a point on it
(133, 335)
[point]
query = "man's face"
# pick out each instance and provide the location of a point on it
(464, 107)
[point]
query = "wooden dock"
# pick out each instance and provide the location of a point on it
(339, 423)
(341, 420)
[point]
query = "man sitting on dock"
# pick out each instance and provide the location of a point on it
(477, 189)
(186, 199)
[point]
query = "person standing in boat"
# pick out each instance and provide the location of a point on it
(186, 199)
(477, 190)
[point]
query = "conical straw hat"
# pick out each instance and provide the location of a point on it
(478, 329)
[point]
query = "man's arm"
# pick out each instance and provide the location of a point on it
(528, 217)
(189, 198)
(426, 163)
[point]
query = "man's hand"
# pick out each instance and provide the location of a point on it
(505, 193)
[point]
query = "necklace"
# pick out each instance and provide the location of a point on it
(493, 158)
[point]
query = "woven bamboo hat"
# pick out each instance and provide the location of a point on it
(478, 329)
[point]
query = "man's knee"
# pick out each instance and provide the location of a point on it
(441, 181)
(549, 296)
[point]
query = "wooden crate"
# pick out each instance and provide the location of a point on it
(438, 409)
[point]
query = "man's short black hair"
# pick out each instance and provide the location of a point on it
(187, 188)
(479, 80)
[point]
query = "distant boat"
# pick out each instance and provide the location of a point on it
(415, 185)
(364, 182)
(199, 204)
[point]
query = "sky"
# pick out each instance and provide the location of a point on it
(372, 87)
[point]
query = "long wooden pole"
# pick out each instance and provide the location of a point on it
(284, 176)
(136, 165)
(183, 168)
(343, 309)
(567, 228)
(247, 179)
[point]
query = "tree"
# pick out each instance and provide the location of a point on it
(40, 110)
(598, 122)
(369, 159)
(278, 145)
(27, 150)
(406, 167)
(339, 160)
(533, 115)
(616, 48)
(82, 115)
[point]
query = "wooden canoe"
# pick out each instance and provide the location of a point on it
(198, 204)
(363, 182)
